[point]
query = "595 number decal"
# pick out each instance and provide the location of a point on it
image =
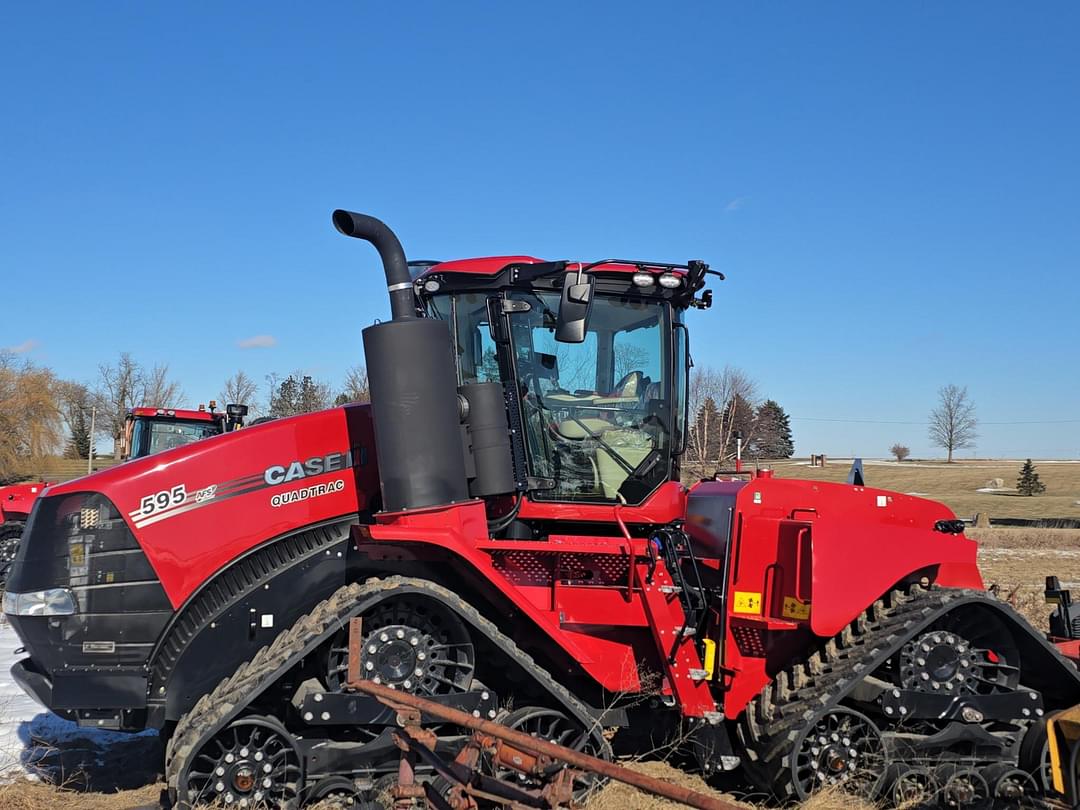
(162, 500)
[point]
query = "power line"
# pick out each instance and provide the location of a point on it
(927, 424)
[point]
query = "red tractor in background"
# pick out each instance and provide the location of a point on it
(507, 521)
(146, 431)
(151, 430)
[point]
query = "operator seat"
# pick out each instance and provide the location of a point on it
(627, 391)
(632, 445)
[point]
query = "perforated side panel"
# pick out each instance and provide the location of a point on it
(544, 567)
(749, 640)
(525, 567)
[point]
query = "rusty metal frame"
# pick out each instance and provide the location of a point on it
(559, 766)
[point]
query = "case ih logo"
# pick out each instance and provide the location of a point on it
(296, 470)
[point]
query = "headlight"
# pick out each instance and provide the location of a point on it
(53, 602)
(670, 281)
(643, 279)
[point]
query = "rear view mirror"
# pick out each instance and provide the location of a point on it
(574, 307)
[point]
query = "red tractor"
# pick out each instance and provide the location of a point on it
(507, 520)
(151, 430)
(146, 431)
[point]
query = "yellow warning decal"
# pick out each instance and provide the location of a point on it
(747, 602)
(794, 609)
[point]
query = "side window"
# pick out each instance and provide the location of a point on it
(487, 370)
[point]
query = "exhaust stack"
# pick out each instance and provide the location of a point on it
(413, 380)
(375, 231)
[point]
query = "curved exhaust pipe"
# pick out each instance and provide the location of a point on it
(398, 280)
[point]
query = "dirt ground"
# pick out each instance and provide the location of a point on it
(1015, 561)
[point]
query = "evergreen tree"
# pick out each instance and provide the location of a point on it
(772, 432)
(79, 442)
(1028, 483)
(297, 394)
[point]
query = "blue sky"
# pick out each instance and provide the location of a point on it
(891, 188)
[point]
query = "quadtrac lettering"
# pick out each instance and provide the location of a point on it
(302, 494)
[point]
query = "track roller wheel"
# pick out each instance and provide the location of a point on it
(335, 792)
(251, 763)
(554, 726)
(961, 787)
(1011, 785)
(910, 786)
(842, 749)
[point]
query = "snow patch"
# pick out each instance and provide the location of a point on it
(32, 738)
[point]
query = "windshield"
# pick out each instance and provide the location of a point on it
(597, 414)
(154, 435)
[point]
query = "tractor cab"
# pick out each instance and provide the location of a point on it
(151, 430)
(594, 358)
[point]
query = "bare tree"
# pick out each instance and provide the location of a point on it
(126, 385)
(900, 451)
(711, 436)
(31, 426)
(239, 389)
(952, 422)
(355, 388)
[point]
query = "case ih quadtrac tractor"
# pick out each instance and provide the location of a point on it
(146, 431)
(507, 520)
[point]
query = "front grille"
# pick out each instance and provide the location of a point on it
(80, 541)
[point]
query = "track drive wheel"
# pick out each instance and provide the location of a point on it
(843, 749)
(10, 536)
(412, 644)
(251, 763)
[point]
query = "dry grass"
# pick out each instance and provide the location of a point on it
(1017, 562)
(955, 484)
(617, 796)
(27, 795)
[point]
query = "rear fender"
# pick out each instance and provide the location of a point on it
(835, 548)
(854, 563)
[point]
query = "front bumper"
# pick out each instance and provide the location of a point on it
(114, 700)
(35, 683)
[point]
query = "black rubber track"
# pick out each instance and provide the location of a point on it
(10, 537)
(228, 700)
(774, 720)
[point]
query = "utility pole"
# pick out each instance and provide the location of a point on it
(90, 452)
